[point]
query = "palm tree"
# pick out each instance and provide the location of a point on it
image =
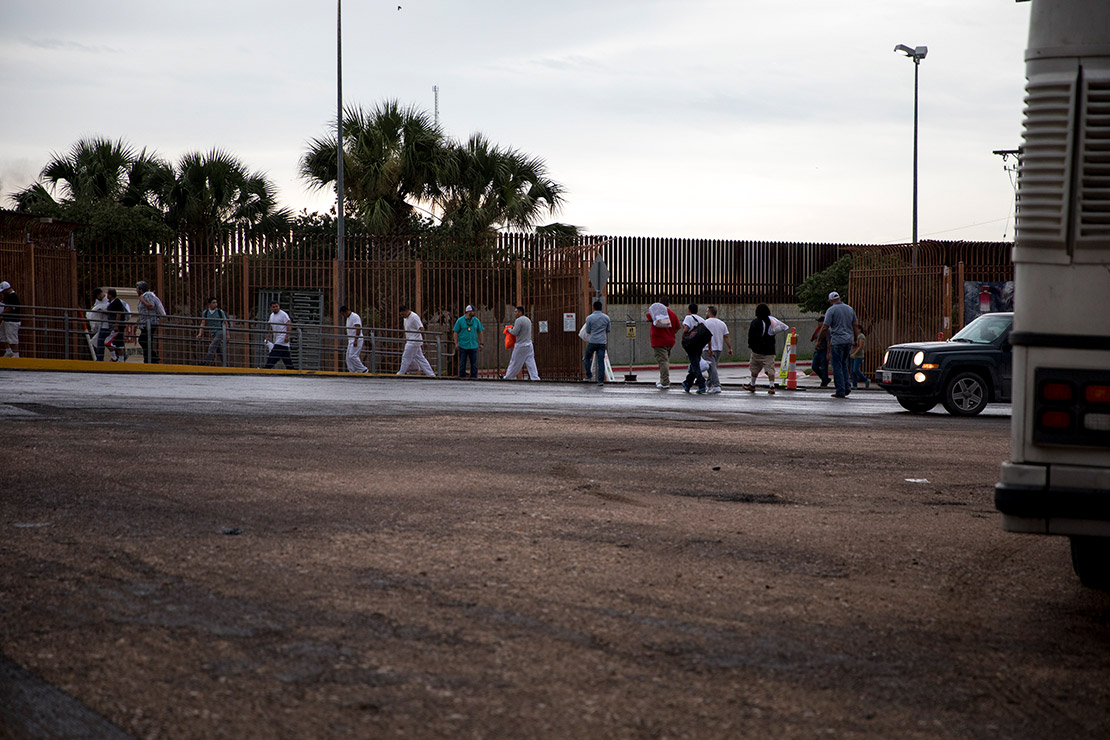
(394, 160)
(94, 168)
(207, 195)
(106, 185)
(490, 187)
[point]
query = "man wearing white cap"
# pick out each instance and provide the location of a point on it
(843, 329)
(468, 338)
(11, 316)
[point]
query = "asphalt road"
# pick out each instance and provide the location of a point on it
(286, 395)
(332, 557)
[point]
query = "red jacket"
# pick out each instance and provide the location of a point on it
(664, 336)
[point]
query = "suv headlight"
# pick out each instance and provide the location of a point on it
(886, 354)
(919, 358)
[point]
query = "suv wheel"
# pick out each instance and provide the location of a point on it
(965, 394)
(916, 405)
(1090, 559)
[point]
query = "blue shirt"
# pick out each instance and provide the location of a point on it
(839, 318)
(597, 328)
(468, 329)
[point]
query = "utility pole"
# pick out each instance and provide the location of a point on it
(435, 93)
(340, 248)
(1011, 170)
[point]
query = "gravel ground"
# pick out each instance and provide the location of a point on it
(515, 575)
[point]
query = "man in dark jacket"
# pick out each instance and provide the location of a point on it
(761, 341)
(820, 362)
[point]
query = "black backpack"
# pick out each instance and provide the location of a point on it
(696, 339)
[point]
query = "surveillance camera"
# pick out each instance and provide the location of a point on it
(921, 51)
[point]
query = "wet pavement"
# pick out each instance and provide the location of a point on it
(23, 393)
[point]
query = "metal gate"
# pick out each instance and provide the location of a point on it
(559, 286)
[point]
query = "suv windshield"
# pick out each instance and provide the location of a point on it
(985, 329)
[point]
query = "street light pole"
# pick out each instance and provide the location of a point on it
(917, 54)
(340, 247)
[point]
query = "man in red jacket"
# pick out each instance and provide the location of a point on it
(664, 324)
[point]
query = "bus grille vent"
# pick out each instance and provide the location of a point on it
(1094, 184)
(1045, 174)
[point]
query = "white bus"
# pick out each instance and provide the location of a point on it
(1057, 481)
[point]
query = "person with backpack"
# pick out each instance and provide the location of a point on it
(215, 320)
(761, 341)
(695, 336)
(119, 313)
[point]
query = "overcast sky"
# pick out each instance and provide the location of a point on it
(731, 119)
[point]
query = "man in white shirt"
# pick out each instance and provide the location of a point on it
(413, 356)
(719, 341)
(279, 338)
(354, 340)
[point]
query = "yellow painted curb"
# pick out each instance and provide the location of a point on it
(90, 366)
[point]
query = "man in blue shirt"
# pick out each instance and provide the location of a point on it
(842, 328)
(597, 338)
(468, 338)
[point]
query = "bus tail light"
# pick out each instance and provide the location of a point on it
(1097, 393)
(1071, 407)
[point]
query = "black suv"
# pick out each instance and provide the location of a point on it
(971, 368)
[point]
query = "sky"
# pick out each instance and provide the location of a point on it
(716, 119)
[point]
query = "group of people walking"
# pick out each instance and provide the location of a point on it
(704, 340)
(837, 337)
(838, 341)
(109, 316)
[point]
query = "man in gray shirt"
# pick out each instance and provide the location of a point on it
(843, 330)
(597, 338)
(523, 355)
(151, 312)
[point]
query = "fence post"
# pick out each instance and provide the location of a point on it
(65, 320)
(418, 299)
(947, 302)
(334, 361)
(519, 283)
(960, 286)
(439, 356)
(373, 353)
(31, 351)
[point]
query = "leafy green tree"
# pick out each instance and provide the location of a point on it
(813, 293)
(393, 161)
(105, 185)
(207, 195)
(399, 169)
(488, 187)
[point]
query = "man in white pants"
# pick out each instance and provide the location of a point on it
(413, 355)
(523, 355)
(354, 340)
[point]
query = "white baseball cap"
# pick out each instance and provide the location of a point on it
(833, 296)
(5, 285)
(469, 309)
